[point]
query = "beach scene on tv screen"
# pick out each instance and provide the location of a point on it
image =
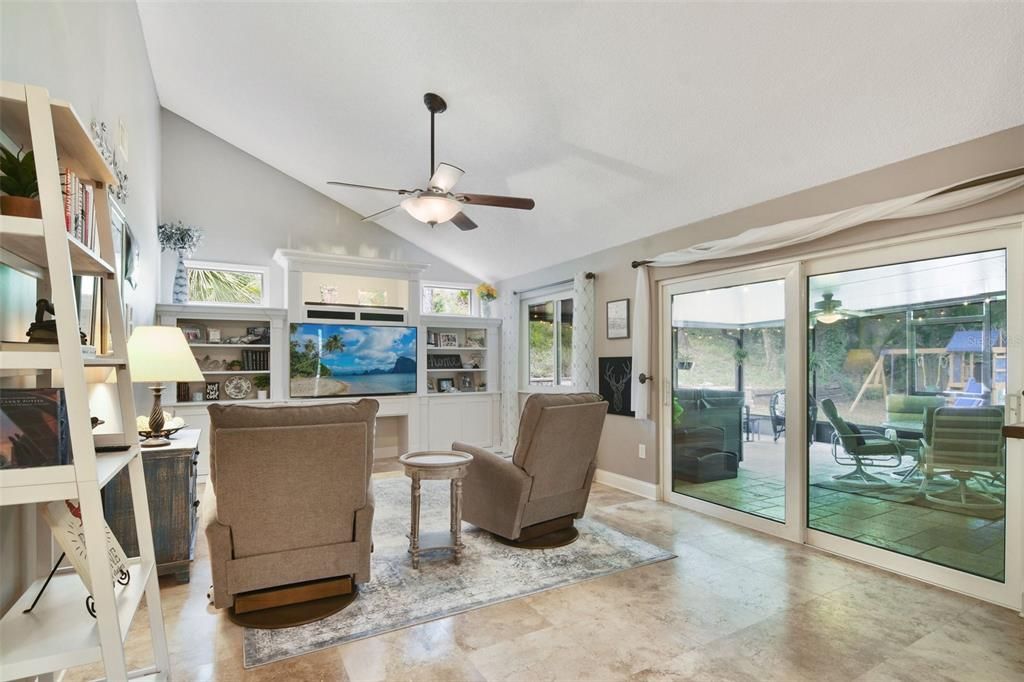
(347, 359)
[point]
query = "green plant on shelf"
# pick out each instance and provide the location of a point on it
(19, 174)
(261, 381)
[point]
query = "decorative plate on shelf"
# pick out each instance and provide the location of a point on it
(237, 388)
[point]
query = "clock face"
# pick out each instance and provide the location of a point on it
(237, 388)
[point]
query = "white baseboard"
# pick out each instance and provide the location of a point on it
(630, 485)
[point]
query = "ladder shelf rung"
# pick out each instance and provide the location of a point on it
(44, 484)
(24, 238)
(22, 355)
(59, 633)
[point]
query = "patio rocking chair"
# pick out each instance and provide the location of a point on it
(862, 448)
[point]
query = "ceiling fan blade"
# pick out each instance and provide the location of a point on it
(379, 189)
(495, 200)
(463, 222)
(445, 177)
(381, 214)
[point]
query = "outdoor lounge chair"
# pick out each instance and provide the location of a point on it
(862, 448)
(965, 444)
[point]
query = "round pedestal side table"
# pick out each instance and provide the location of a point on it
(436, 465)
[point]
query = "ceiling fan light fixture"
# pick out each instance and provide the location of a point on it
(432, 209)
(829, 318)
(827, 310)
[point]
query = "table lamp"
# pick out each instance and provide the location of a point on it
(156, 355)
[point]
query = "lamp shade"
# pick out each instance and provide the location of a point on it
(432, 209)
(157, 354)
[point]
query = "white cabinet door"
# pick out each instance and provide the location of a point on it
(445, 423)
(465, 419)
(477, 428)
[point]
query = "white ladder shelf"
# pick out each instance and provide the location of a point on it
(59, 633)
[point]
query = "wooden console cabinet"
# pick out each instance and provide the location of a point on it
(173, 505)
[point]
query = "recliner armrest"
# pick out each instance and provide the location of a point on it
(492, 463)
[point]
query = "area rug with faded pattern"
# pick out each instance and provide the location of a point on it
(399, 596)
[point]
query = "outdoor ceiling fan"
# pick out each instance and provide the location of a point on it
(830, 310)
(437, 204)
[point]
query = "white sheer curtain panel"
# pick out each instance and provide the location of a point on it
(584, 350)
(510, 371)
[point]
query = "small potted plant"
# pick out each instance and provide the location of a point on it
(487, 294)
(184, 239)
(19, 184)
(262, 384)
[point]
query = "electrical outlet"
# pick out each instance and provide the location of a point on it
(643, 451)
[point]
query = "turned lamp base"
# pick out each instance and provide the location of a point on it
(156, 420)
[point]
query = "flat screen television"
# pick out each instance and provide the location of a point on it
(334, 360)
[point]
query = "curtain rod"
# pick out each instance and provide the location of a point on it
(588, 275)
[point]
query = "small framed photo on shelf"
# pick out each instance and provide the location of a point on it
(212, 390)
(193, 334)
(212, 335)
(617, 324)
(446, 385)
(447, 339)
(466, 383)
(476, 338)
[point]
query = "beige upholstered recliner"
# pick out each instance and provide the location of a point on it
(545, 485)
(289, 497)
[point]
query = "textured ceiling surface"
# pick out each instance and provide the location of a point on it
(622, 120)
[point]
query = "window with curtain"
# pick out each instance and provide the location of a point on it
(547, 338)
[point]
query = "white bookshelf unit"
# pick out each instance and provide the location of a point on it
(470, 412)
(59, 633)
(216, 358)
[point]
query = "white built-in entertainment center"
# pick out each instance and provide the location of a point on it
(457, 394)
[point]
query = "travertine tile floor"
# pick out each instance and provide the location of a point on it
(734, 605)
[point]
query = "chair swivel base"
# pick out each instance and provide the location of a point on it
(293, 605)
(546, 535)
(963, 497)
(861, 477)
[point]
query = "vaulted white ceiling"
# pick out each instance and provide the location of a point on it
(622, 120)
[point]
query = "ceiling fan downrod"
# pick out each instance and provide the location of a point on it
(435, 105)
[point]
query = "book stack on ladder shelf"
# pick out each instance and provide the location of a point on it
(58, 631)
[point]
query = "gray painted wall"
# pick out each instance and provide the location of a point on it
(249, 209)
(616, 279)
(92, 55)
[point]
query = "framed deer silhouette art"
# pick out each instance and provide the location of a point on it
(614, 379)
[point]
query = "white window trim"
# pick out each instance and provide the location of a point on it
(474, 304)
(551, 294)
(263, 270)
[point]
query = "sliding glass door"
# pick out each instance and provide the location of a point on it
(912, 364)
(855, 402)
(726, 374)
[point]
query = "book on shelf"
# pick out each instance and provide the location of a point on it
(33, 428)
(255, 360)
(79, 207)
